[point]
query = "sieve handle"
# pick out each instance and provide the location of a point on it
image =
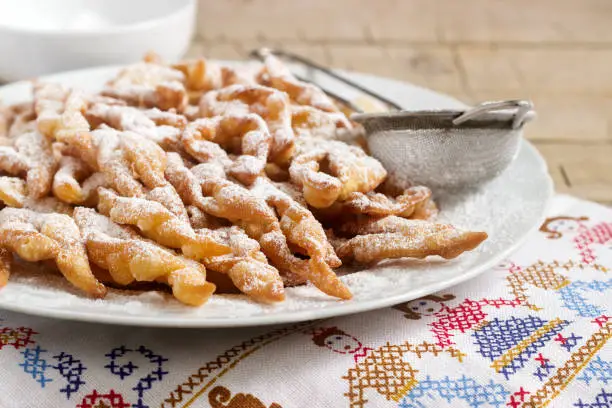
(523, 111)
(261, 54)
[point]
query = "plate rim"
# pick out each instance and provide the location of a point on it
(293, 316)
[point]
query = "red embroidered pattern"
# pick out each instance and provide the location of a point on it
(96, 400)
(18, 338)
(518, 398)
(463, 317)
(599, 234)
(601, 320)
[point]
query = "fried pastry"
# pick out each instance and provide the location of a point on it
(125, 158)
(5, 266)
(245, 136)
(12, 191)
(215, 195)
(169, 198)
(149, 85)
(49, 103)
(272, 105)
(330, 170)
(159, 224)
(129, 258)
(297, 223)
(31, 156)
(23, 121)
(247, 266)
(59, 110)
(203, 174)
(76, 183)
(7, 116)
(396, 237)
(202, 75)
(224, 199)
(199, 219)
(306, 235)
(161, 127)
(307, 121)
(276, 75)
(376, 204)
(276, 172)
(37, 236)
(428, 211)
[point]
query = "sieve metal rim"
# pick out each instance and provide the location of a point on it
(431, 120)
(509, 114)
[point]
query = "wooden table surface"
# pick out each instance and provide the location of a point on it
(558, 53)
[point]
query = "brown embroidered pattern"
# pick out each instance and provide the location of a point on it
(409, 313)
(566, 373)
(221, 397)
(385, 370)
(426, 348)
(226, 360)
(554, 234)
(542, 275)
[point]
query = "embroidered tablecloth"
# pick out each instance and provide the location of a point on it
(533, 331)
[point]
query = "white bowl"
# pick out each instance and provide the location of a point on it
(44, 36)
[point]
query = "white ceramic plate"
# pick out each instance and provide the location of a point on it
(508, 209)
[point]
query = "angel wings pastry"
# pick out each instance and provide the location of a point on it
(200, 178)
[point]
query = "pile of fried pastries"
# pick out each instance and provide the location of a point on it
(196, 178)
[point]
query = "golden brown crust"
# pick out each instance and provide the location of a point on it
(396, 237)
(36, 236)
(129, 258)
(330, 170)
(243, 184)
(272, 105)
(5, 266)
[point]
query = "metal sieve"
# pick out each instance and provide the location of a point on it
(442, 149)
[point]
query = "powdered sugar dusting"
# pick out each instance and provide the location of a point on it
(487, 209)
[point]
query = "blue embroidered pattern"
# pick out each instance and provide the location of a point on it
(72, 370)
(544, 370)
(597, 369)
(464, 388)
(35, 365)
(125, 370)
(145, 383)
(602, 400)
(499, 336)
(573, 299)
